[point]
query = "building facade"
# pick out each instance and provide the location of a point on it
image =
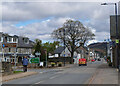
(24, 47)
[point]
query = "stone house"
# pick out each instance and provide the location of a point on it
(24, 47)
(59, 52)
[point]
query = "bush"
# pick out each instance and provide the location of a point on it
(52, 64)
(60, 64)
(108, 60)
(110, 64)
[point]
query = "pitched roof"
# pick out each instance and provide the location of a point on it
(59, 50)
(22, 44)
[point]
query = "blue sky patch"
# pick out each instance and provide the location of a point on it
(24, 23)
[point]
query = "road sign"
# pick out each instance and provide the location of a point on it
(34, 60)
(117, 41)
(9, 45)
(37, 53)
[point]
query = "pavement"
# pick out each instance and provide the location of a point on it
(105, 75)
(16, 76)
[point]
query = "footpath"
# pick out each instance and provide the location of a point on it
(105, 75)
(29, 73)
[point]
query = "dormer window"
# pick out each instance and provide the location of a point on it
(26, 41)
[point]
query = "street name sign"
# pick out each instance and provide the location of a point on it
(5, 45)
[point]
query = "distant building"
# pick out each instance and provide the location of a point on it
(81, 52)
(98, 50)
(59, 52)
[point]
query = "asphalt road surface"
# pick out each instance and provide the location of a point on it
(73, 75)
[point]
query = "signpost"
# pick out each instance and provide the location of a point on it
(35, 59)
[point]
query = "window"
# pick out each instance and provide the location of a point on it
(26, 41)
(15, 40)
(1, 39)
(9, 39)
(9, 49)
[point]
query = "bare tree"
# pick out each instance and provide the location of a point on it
(73, 34)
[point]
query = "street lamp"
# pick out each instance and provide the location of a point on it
(117, 49)
(46, 56)
(64, 46)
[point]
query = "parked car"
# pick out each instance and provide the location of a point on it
(82, 61)
(92, 60)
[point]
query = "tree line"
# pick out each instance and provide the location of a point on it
(73, 34)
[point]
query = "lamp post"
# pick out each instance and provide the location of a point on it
(46, 56)
(116, 21)
(64, 46)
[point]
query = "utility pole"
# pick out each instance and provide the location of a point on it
(46, 56)
(64, 46)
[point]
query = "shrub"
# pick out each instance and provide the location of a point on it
(59, 64)
(52, 64)
(108, 59)
(110, 64)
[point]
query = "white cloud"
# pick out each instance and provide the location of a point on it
(92, 41)
(90, 14)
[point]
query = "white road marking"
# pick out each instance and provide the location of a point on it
(39, 82)
(40, 72)
(53, 77)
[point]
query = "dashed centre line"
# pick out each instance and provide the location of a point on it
(39, 82)
(53, 77)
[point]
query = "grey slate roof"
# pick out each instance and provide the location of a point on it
(21, 43)
(58, 50)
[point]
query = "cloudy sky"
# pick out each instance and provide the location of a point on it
(37, 19)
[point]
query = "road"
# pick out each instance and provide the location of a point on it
(73, 75)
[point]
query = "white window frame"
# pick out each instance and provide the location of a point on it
(16, 40)
(27, 41)
(8, 39)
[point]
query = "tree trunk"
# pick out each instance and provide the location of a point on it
(72, 53)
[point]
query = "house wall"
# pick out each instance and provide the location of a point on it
(67, 53)
(25, 50)
(9, 51)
